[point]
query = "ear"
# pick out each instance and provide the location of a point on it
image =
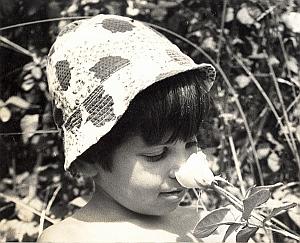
(85, 168)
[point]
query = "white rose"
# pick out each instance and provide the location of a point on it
(195, 172)
(292, 21)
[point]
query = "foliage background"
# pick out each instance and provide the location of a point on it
(252, 135)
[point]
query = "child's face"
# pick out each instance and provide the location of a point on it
(142, 177)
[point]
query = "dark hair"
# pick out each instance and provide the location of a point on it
(177, 105)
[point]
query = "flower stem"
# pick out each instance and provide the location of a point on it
(238, 204)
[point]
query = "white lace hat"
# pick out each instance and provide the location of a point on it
(97, 66)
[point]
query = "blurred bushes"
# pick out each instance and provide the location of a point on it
(254, 44)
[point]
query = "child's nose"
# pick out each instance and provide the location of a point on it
(172, 172)
(180, 160)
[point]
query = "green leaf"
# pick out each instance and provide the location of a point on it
(243, 80)
(210, 222)
(230, 230)
(5, 114)
(36, 72)
(168, 4)
(291, 20)
(229, 14)
(274, 162)
(292, 64)
(17, 101)
(263, 150)
(2, 103)
(29, 124)
(244, 234)
(159, 13)
(255, 200)
(255, 189)
(244, 17)
(278, 210)
(28, 85)
(146, 5)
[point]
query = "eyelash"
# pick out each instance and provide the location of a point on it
(155, 158)
(191, 144)
(158, 157)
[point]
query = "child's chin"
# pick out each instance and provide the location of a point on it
(159, 209)
(163, 211)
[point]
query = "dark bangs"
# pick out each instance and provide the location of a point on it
(175, 107)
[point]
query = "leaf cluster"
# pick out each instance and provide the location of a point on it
(244, 219)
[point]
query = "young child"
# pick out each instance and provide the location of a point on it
(129, 103)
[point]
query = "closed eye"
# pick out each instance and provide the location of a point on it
(156, 157)
(191, 144)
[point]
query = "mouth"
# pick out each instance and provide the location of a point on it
(174, 194)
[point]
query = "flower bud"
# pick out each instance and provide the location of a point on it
(195, 173)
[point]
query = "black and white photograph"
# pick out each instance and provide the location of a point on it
(150, 121)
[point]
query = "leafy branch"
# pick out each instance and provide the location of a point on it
(249, 220)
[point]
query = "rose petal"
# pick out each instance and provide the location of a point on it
(195, 173)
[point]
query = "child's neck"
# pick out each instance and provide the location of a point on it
(102, 208)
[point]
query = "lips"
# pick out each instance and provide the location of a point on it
(174, 194)
(173, 191)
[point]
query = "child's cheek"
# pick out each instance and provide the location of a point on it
(146, 176)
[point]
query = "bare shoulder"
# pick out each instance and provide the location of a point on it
(170, 229)
(73, 230)
(59, 232)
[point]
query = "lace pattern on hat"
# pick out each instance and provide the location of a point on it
(63, 74)
(106, 66)
(99, 107)
(117, 25)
